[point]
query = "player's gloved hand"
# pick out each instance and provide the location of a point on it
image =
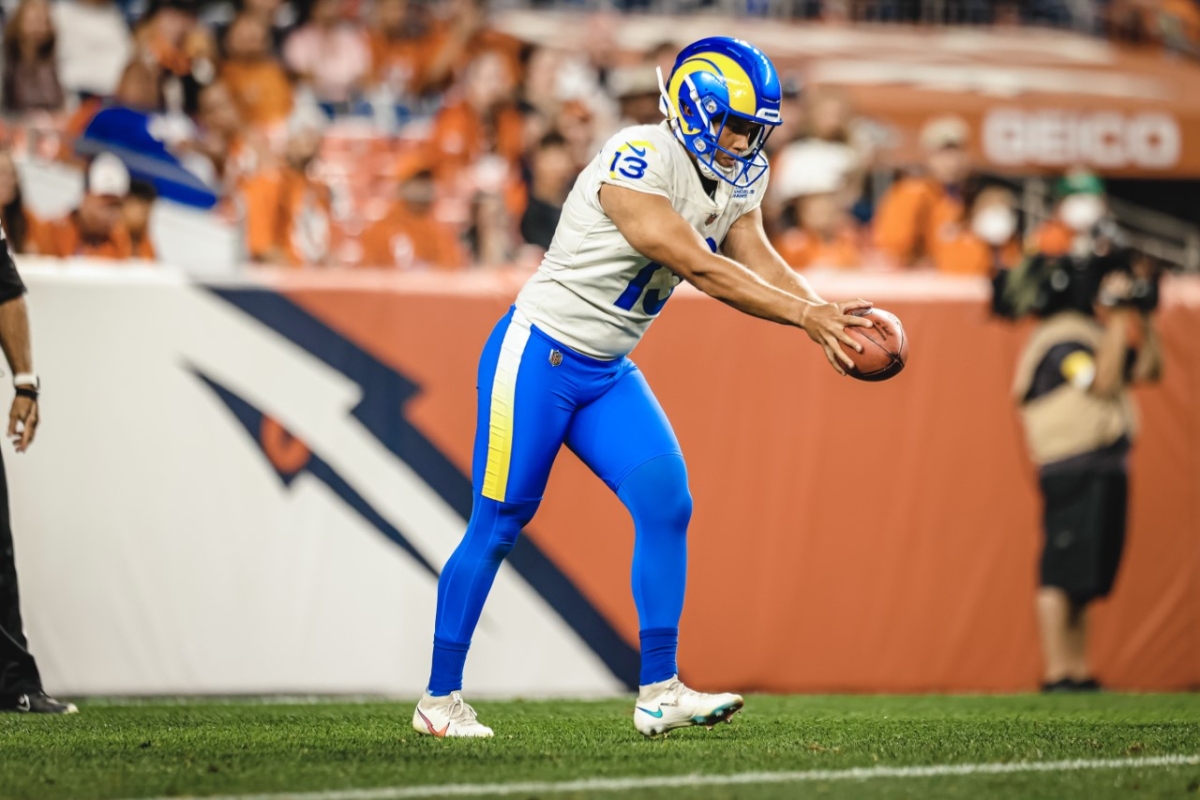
(825, 324)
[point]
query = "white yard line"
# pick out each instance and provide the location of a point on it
(736, 779)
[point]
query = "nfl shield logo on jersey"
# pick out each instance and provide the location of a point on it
(711, 219)
(555, 358)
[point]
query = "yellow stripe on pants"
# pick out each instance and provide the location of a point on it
(500, 422)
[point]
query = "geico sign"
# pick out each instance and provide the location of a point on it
(1062, 138)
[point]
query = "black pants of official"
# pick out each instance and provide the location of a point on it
(18, 670)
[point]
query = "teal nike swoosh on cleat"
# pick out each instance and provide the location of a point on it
(657, 713)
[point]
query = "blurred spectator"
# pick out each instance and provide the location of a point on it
(18, 222)
(403, 42)
(636, 90)
(540, 88)
(577, 124)
(988, 242)
(489, 235)
(600, 50)
(154, 143)
(1081, 207)
(824, 147)
(135, 216)
(466, 36)
(412, 236)
(484, 119)
(823, 233)
(233, 151)
(94, 45)
(30, 60)
(492, 234)
(919, 213)
(554, 171)
(94, 229)
(182, 52)
(329, 54)
(137, 89)
(161, 34)
(259, 86)
(287, 209)
(278, 17)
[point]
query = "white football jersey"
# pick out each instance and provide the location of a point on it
(593, 292)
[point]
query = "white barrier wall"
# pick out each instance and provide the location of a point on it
(160, 552)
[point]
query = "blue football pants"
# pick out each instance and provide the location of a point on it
(534, 395)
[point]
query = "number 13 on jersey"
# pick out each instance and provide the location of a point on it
(630, 160)
(655, 299)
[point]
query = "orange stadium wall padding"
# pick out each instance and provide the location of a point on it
(287, 462)
(847, 536)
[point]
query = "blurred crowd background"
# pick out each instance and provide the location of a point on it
(436, 135)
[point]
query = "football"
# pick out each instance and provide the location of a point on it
(885, 346)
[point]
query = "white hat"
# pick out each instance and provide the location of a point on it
(941, 132)
(632, 81)
(812, 167)
(107, 175)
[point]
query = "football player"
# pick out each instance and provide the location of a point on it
(659, 205)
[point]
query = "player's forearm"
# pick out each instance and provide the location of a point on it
(747, 244)
(733, 284)
(784, 278)
(14, 335)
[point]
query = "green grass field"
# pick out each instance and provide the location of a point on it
(239, 748)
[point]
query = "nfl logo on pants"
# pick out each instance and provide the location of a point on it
(555, 358)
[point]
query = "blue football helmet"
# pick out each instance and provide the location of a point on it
(719, 82)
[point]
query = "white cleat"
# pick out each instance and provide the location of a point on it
(668, 705)
(447, 716)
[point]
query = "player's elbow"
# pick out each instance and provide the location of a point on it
(690, 264)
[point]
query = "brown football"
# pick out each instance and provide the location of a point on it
(885, 346)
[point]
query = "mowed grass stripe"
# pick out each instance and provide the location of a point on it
(741, 778)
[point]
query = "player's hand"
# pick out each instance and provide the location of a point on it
(22, 422)
(826, 323)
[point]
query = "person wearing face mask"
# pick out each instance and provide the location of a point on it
(988, 242)
(1082, 209)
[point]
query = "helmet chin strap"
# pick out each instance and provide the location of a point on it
(665, 104)
(710, 171)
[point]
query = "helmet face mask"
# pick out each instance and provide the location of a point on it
(720, 84)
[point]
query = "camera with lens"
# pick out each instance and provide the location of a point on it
(1043, 285)
(1143, 292)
